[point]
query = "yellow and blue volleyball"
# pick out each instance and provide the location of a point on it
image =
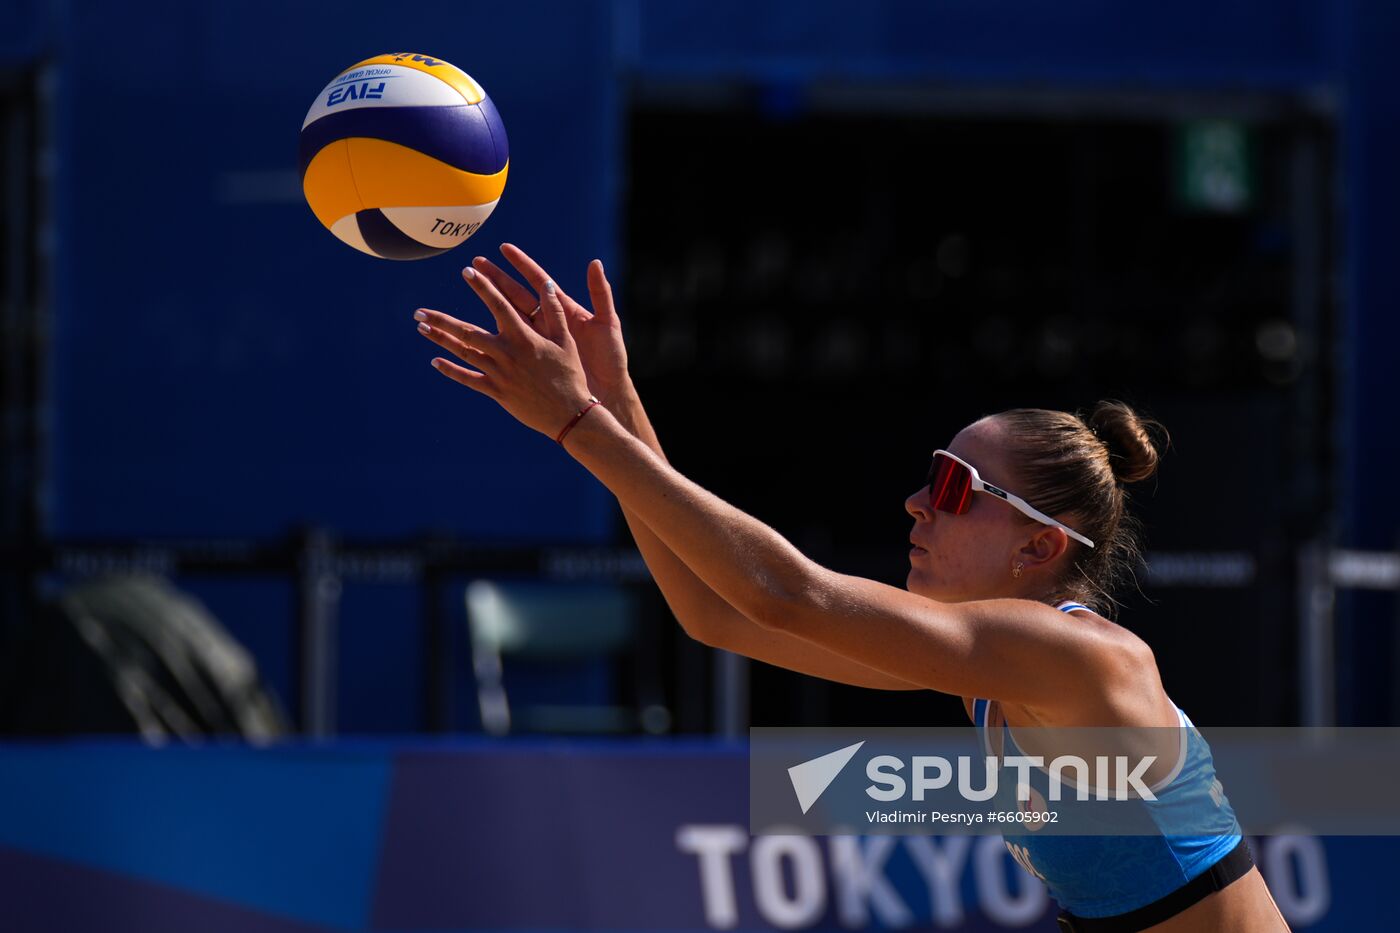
(403, 156)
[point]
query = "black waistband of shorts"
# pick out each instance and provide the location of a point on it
(1230, 867)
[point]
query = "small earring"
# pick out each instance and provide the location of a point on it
(1016, 571)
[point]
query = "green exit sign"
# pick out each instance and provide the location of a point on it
(1213, 166)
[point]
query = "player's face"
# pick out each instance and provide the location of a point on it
(955, 558)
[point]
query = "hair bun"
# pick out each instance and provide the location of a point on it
(1133, 449)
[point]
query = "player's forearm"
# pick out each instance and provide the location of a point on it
(747, 564)
(700, 610)
(626, 406)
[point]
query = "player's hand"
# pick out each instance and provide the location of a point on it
(597, 333)
(533, 372)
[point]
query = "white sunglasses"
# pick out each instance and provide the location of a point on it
(952, 481)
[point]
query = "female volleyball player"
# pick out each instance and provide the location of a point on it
(1020, 525)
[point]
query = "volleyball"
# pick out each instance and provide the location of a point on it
(403, 156)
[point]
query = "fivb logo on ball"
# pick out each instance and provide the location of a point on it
(360, 83)
(403, 156)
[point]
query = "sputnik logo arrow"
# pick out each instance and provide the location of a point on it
(811, 778)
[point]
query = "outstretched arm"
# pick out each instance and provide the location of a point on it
(1014, 650)
(701, 612)
(710, 619)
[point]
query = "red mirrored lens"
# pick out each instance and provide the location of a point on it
(949, 485)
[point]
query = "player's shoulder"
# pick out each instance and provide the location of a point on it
(1099, 624)
(1119, 649)
(1127, 661)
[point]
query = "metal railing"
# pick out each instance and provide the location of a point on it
(321, 565)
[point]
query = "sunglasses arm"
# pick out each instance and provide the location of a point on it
(1031, 511)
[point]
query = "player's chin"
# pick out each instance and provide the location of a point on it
(920, 582)
(923, 582)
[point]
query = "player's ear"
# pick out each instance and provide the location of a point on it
(1044, 546)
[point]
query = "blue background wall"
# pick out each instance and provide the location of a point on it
(222, 366)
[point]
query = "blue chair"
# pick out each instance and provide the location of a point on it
(561, 631)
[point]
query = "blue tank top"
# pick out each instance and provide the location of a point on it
(1102, 876)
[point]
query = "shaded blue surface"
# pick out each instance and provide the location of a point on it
(222, 364)
(1194, 43)
(292, 831)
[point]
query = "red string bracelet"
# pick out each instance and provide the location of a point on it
(577, 418)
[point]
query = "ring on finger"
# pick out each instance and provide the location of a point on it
(534, 312)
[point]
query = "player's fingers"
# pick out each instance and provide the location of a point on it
(464, 331)
(509, 324)
(555, 325)
(520, 298)
(600, 291)
(531, 270)
(534, 274)
(545, 287)
(463, 350)
(467, 377)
